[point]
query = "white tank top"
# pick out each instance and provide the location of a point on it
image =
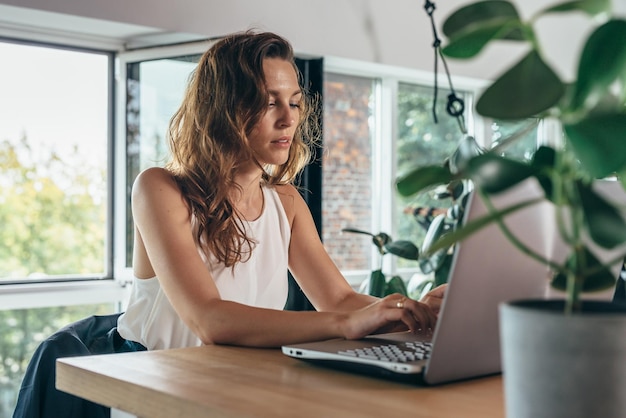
(260, 281)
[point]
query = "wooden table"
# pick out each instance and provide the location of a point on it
(216, 381)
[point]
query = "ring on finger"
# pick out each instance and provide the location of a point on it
(400, 304)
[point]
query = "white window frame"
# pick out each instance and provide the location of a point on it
(124, 274)
(113, 289)
(383, 151)
(64, 292)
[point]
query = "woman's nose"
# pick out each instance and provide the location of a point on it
(286, 117)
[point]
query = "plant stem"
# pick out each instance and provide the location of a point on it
(567, 195)
(575, 282)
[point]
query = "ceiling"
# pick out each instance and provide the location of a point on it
(48, 26)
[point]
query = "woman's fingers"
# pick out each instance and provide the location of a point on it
(415, 315)
(434, 298)
(391, 313)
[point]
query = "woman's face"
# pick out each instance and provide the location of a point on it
(271, 138)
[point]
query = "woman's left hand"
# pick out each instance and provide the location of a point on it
(434, 298)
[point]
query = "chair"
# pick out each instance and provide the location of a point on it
(296, 299)
(38, 396)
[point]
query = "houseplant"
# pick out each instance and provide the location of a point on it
(436, 264)
(590, 112)
(378, 284)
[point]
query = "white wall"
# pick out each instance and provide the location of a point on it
(393, 32)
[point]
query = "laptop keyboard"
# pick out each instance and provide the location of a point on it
(399, 352)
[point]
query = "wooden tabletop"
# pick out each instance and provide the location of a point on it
(245, 382)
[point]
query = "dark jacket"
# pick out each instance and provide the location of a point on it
(38, 396)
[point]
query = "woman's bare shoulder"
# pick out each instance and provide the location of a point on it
(289, 196)
(292, 200)
(154, 174)
(157, 185)
(154, 177)
(286, 189)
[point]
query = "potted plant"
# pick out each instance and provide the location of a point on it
(437, 221)
(561, 357)
(378, 284)
(436, 264)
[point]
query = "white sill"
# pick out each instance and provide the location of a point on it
(96, 291)
(41, 295)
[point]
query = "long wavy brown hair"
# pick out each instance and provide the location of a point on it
(208, 136)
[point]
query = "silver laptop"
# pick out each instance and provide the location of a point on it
(486, 271)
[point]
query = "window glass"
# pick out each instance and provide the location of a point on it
(421, 141)
(525, 143)
(349, 107)
(53, 162)
(21, 331)
(155, 90)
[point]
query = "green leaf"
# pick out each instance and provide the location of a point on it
(468, 45)
(514, 95)
(435, 231)
(599, 142)
(477, 14)
(377, 284)
(456, 189)
(443, 272)
(434, 260)
(493, 173)
(396, 285)
(357, 231)
(543, 163)
(600, 278)
(591, 7)
(471, 27)
(544, 158)
(380, 240)
(431, 263)
(604, 222)
(471, 228)
(404, 249)
(602, 61)
(467, 149)
(423, 178)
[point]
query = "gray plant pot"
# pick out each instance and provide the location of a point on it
(556, 365)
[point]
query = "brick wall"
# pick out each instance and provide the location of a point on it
(346, 160)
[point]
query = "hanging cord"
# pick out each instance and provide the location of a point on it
(455, 106)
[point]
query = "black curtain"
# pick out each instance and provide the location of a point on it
(310, 181)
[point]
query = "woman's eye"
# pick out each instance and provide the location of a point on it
(295, 105)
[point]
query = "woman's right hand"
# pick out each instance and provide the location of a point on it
(392, 313)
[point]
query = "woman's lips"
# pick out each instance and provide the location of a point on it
(282, 142)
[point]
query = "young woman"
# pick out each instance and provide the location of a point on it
(218, 228)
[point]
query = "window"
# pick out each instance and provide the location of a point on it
(53, 156)
(378, 124)
(421, 141)
(21, 331)
(54, 198)
(154, 91)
